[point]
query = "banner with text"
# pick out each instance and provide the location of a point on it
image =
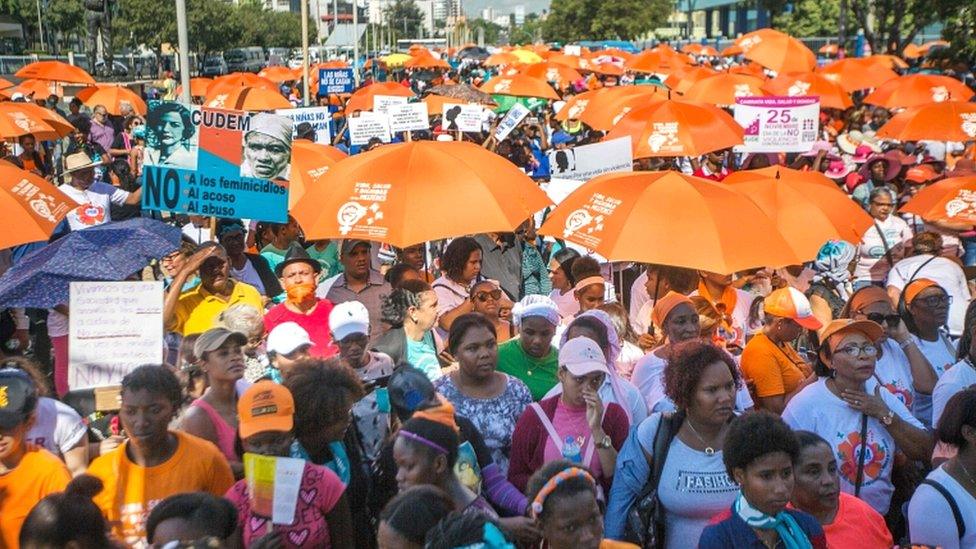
(332, 81)
(215, 162)
(368, 125)
(318, 117)
(408, 116)
(778, 124)
(113, 328)
(513, 117)
(588, 161)
(463, 117)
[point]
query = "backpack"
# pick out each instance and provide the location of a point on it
(645, 519)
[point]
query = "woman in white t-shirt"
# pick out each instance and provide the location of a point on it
(884, 243)
(925, 310)
(962, 375)
(461, 265)
(561, 276)
(947, 497)
(852, 412)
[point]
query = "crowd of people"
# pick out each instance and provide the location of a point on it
(508, 390)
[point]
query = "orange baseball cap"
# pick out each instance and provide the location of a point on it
(265, 406)
(916, 287)
(923, 173)
(791, 303)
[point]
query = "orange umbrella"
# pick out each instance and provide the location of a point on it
(31, 206)
(731, 51)
(888, 61)
(912, 51)
(924, 48)
(278, 74)
(503, 58)
(576, 105)
(918, 89)
(608, 69)
(40, 89)
(724, 88)
(247, 99)
(362, 99)
(519, 85)
(571, 61)
(551, 72)
(810, 83)
(777, 51)
(61, 125)
(309, 162)
(857, 73)
(112, 98)
(602, 111)
(236, 80)
(669, 218)
(57, 71)
(660, 62)
(198, 87)
(685, 77)
(407, 193)
(4, 83)
(16, 120)
(829, 49)
(427, 61)
(750, 68)
(951, 200)
(611, 52)
(677, 128)
(699, 49)
(946, 121)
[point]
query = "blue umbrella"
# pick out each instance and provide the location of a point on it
(112, 251)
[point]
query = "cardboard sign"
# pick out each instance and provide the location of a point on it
(513, 117)
(382, 103)
(332, 81)
(463, 117)
(113, 328)
(273, 484)
(368, 125)
(214, 162)
(319, 117)
(777, 124)
(408, 116)
(588, 161)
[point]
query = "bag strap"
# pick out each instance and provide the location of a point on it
(956, 514)
(448, 288)
(667, 429)
(884, 242)
(859, 477)
(557, 440)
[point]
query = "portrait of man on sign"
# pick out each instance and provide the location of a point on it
(267, 147)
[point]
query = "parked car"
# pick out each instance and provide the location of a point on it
(245, 59)
(214, 65)
(118, 68)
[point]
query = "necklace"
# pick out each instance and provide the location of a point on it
(709, 450)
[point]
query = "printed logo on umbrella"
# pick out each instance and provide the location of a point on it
(577, 109)
(968, 123)
(749, 43)
(502, 86)
(354, 217)
(585, 224)
(23, 121)
(798, 88)
(42, 203)
(664, 137)
(940, 94)
(962, 207)
(742, 90)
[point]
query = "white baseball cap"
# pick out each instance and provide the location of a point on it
(287, 337)
(350, 317)
(582, 356)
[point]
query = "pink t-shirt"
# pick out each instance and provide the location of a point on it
(318, 495)
(571, 421)
(316, 324)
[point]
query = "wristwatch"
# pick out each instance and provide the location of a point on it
(604, 442)
(888, 418)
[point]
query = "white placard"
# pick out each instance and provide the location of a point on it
(778, 124)
(288, 480)
(408, 116)
(573, 49)
(516, 114)
(588, 161)
(368, 125)
(113, 327)
(381, 103)
(463, 117)
(319, 117)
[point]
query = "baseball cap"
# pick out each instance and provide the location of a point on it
(214, 338)
(265, 406)
(350, 243)
(350, 317)
(581, 356)
(18, 397)
(286, 337)
(871, 330)
(791, 303)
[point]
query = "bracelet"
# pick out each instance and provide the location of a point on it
(905, 344)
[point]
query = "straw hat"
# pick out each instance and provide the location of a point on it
(78, 161)
(848, 142)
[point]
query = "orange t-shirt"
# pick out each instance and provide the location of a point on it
(856, 525)
(775, 370)
(39, 473)
(132, 491)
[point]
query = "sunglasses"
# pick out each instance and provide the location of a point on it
(878, 318)
(483, 296)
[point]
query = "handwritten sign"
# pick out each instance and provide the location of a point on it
(775, 124)
(588, 161)
(272, 486)
(318, 117)
(408, 116)
(332, 81)
(368, 125)
(113, 328)
(463, 117)
(513, 117)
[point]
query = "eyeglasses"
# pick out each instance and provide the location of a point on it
(878, 318)
(483, 296)
(854, 351)
(934, 300)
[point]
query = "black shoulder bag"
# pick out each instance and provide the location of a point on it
(645, 519)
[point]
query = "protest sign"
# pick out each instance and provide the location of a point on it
(513, 117)
(408, 116)
(588, 161)
(368, 125)
(778, 124)
(319, 117)
(573, 49)
(113, 328)
(272, 485)
(215, 162)
(466, 118)
(333, 81)
(382, 103)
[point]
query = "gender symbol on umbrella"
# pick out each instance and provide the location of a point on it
(946, 121)
(247, 99)
(916, 90)
(677, 128)
(30, 206)
(832, 95)
(951, 200)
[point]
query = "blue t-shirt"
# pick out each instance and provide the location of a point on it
(423, 356)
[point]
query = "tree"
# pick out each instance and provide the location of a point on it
(211, 26)
(960, 31)
(574, 20)
(492, 31)
(404, 18)
(63, 18)
(147, 23)
(890, 25)
(810, 18)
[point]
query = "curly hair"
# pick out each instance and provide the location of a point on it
(567, 488)
(585, 266)
(756, 434)
(203, 512)
(155, 378)
(456, 256)
(465, 323)
(396, 273)
(408, 294)
(966, 339)
(67, 516)
(155, 119)
(621, 322)
(686, 364)
(324, 390)
(414, 511)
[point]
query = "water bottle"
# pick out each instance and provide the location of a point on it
(571, 450)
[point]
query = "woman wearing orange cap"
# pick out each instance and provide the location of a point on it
(849, 409)
(924, 306)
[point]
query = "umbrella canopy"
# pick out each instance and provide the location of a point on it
(918, 89)
(669, 218)
(247, 99)
(699, 49)
(777, 51)
(684, 78)
(829, 49)
(112, 251)
(611, 52)
(427, 61)
(279, 74)
(17, 119)
(198, 87)
(526, 56)
(4, 83)
(362, 99)
(473, 52)
(948, 121)
(608, 69)
(464, 93)
(562, 75)
(407, 193)
(832, 95)
(928, 46)
(677, 128)
(724, 88)
(31, 206)
(57, 71)
(603, 111)
(501, 58)
(657, 62)
(396, 59)
(731, 51)
(857, 73)
(519, 85)
(951, 200)
(571, 61)
(576, 105)
(888, 61)
(309, 162)
(112, 98)
(332, 64)
(237, 80)
(40, 89)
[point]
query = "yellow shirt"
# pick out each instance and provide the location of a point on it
(774, 369)
(132, 491)
(38, 474)
(197, 309)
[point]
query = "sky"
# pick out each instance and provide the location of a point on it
(473, 7)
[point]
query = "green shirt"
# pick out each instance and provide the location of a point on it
(328, 258)
(539, 374)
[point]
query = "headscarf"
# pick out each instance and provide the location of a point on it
(831, 266)
(664, 306)
(612, 336)
(274, 126)
(536, 305)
